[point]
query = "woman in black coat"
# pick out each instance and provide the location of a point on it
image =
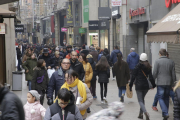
(140, 73)
(40, 79)
(103, 72)
(177, 101)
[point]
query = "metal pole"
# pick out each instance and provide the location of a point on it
(33, 12)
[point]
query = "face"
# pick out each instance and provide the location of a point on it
(62, 104)
(64, 50)
(33, 56)
(65, 64)
(45, 54)
(80, 59)
(30, 98)
(29, 52)
(69, 48)
(68, 79)
(44, 64)
(57, 55)
(73, 56)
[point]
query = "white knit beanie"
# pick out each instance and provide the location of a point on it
(143, 57)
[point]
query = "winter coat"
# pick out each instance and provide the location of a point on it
(39, 72)
(78, 67)
(93, 65)
(141, 81)
(30, 64)
(71, 110)
(19, 54)
(177, 104)
(103, 75)
(88, 101)
(122, 73)
(88, 73)
(107, 57)
(94, 53)
(11, 107)
(132, 60)
(164, 71)
(55, 83)
(34, 111)
(113, 57)
(56, 61)
(48, 59)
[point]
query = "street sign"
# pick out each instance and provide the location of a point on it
(19, 28)
(116, 2)
(82, 30)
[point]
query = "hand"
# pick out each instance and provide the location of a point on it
(27, 71)
(49, 67)
(50, 101)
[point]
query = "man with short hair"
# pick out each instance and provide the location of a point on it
(76, 65)
(19, 55)
(69, 50)
(57, 80)
(164, 72)
(11, 107)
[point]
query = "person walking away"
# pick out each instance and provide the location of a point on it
(11, 107)
(113, 57)
(83, 97)
(103, 72)
(132, 60)
(141, 73)
(106, 54)
(33, 109)
(40, 79)
(93, 81)
(76, 65)
(94, 53)
(57, 60)
(47, 58)
(121, 71)
(19, 55)
(177, 101)
(164, 72)
(29, 65)
(57, 80)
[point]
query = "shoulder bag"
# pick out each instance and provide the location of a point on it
(149, 83)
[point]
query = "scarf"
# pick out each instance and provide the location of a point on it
(81, 89)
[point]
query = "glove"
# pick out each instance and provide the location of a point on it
(50, 101)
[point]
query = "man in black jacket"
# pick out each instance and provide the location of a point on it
(11, 107)
(19, 55)
(76, 65)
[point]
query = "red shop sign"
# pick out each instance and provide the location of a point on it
(139, 11)
(169, 2)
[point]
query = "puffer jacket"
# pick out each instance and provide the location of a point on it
(88, 73)
(88, 101)
(132, 60)
(39, 72)
(48, 59)
(177, 104)
(141, 81)
(34, 111)
(103, 75)
(30, 64)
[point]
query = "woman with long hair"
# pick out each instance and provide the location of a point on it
(122, 74)
(27, 55)
(177, 101)
(103, 72)
(142, 71)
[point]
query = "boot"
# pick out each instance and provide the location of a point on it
(147, 116)
(140, 116)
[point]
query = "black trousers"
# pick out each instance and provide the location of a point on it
(93, 87)
(105, 90)
(42, 93)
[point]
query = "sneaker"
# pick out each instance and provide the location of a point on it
(88, 110)
(122, 98)
(104, 98)
(102, 102)
(166, 117)
(154, 108)
(94, 97)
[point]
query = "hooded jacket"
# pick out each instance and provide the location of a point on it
(48, 59)
(54, 112)
(19, 54)
(11, 107)
(113, 57)
(132, 60)
(34, 111)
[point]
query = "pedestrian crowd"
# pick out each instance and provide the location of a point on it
(71, 87)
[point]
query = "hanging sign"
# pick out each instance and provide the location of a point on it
(116, 2)
(64, 29)
(82, 30)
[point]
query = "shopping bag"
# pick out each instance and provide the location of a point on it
(129, 93)
(50, 72)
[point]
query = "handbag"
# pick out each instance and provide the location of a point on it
(40, 79)
(129, 93)
(149, 83)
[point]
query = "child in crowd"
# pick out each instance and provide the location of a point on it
(33, 109)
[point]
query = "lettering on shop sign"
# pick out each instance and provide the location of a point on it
(137, 12)
(168, 3)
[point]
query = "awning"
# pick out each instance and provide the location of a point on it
(167, 29)
(7, 1)
(6, 13)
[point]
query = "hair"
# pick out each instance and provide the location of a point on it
(177, 85)
(101, 51)
(84, 57)
(74, 52)
(163, 52)
(119, 61)
(56, 53)
(106, 50)
(40, 62)
(27, 53)
(132, 49)
(167, 54)
(65, 59)
(146, 63)
(102, 65)
(116, 47)
(97, 48)
(69, 46)
(64, 94)
(72, 73)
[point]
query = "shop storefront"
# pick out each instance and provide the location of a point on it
(94, 32)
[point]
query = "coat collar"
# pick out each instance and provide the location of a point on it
(162, 57)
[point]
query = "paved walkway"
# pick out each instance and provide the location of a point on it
(131, 105)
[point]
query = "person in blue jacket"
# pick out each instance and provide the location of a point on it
(57, 80)
(113, 57)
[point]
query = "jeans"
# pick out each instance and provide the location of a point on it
(29, 84)
(105, 90)
(42, 93)
(163, 93)
(141, 96)
(19, 63)
(93, 87)
(122, 90)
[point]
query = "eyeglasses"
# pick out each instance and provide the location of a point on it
(66, 63)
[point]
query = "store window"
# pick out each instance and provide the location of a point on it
(104, 3)
(104, 39)
(94, 38)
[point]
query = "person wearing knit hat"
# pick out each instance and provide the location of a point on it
(33, 109)
(143, 57)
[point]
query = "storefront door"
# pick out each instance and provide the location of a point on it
(140, 40)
